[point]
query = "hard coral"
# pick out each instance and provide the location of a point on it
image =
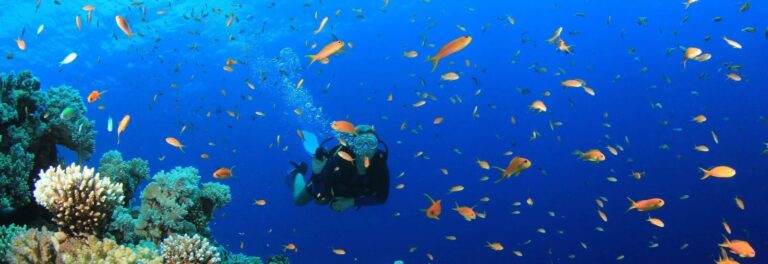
(178, 249)
(173, 203)
(30, 130)
(129, 173)
(32, 247)
(107, 251)
(81, 202)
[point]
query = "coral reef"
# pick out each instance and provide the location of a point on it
(79, 200)
(31, 126)
(32, 247)
(178, 249)
(240, 259)
(173, 203)
(107, 251)
(278, 259)
(129, 173)
(7, 234)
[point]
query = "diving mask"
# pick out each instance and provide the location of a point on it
(365, 142)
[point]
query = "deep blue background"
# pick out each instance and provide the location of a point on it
(134, 70)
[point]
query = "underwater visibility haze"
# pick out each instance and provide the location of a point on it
(383, 131)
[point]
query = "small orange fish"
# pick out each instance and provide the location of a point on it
(726, 227)
(563, 47)
(88, 8)
(260, 202)
(718, 172)
(223, 173)
(123, 25)
(655, 221)
(699, 119)
(495, 246)
(592, 155)
(516, 165)
(338, 251)
(330, 49)
(725, 259)
(739, 203)
(343, 127)
(78, 23)
(231, 19)
(734, 77)
(121, 127)
(538, 106)
(290, 246)
(21, 44)
(483, 164)
(467, 212)
(555, 35)
(94, 95)
(690, 53)
(452, 47)
(739, 247)
(344, 155)
(174, 142)
(646, 205)
(434, 210)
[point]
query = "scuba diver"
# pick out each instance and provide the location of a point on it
(353, 173)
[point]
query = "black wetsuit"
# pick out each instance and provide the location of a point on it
(339, 178)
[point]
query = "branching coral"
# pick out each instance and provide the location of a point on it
(173, 203)
(7, 234)
(79, 200)
(178, 249)
(107, 251)
(32, 247)
(31, 128)
(129, 173)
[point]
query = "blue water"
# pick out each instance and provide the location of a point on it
(136, 70)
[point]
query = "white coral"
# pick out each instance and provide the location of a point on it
(80, 201)
(178, 249)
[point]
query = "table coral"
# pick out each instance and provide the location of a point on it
(81, 202)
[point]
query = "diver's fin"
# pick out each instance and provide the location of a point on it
(310, 142)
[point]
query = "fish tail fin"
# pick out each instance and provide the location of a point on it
(726, 242)
(706, 173)
(181, 147)
(313, 59)
(434, 61)
(632, 204)
(577, 152)
(500, 178)
(457, 206)
(430, 198)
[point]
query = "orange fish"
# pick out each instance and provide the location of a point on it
(516, 165)
(174, 142)
(338, 251)
(655, 221)
(343, 127)
(327, 51)
(452, 47)
(718, 172)
(495, 246)
(690, 53)
(345, 156)
(223, 173)
(123, 25)
(734, 77)
(21, 44)
(78, 23)
(88, 8)
(467, 212)
(538, 106)
(646, 205)
(290, 246)
(725, 259)
(739, 247)
(121, 127)
(94, 95)
(563, 47)
(231, 19)
(260, 202)
(434, 210)
(592, 155)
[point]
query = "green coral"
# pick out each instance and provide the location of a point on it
(31, 129)
(241, 259)
(7, 234)
(174, 203)
(129, 173)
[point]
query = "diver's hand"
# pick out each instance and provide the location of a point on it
(342, 203)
